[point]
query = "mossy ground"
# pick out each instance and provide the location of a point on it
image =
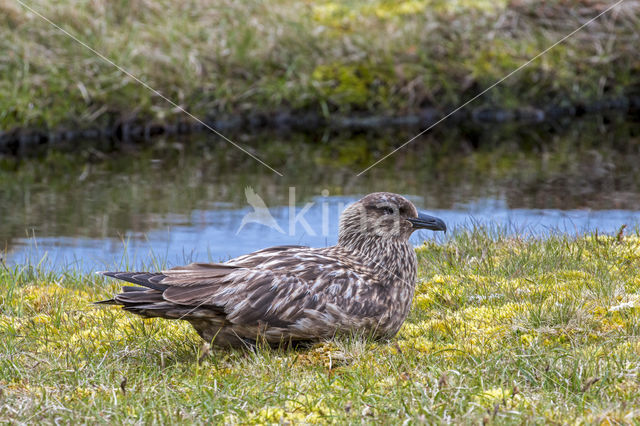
(502, 329)
(376, 56)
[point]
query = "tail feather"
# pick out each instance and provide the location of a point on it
(107, 302)
(139, 297)
(148, 300)
(146, 279)
(171, 311)
(129, 288)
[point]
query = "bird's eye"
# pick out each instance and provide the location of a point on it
(386, 210)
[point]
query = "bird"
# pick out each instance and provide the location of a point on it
(260, 213)
(296, 295)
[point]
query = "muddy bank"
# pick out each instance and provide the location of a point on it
(24, 141)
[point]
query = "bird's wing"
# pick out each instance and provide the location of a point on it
(312, 293)
(246, 296)
(195, 275)
(308, 293)
(262, 256)
(198, 274)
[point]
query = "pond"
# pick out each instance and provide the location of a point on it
(170, 201)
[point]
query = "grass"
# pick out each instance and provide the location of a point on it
(323, 56)
(502, 329)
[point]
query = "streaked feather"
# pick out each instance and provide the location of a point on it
(289, 293)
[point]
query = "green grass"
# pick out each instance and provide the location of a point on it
(502, 329)
(323, 56)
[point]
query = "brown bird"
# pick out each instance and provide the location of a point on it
(295, 294)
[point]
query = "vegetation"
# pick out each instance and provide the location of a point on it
(506, 329)
(322, 56)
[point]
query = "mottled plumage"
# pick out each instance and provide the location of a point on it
(290, 294)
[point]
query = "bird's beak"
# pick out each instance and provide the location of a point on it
(424, 221)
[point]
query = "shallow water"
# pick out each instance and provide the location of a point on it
(184, 200)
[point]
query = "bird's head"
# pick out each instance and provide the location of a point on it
(384, 215)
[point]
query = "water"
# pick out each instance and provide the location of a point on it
(177, 201)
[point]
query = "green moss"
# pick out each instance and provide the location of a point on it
(353, 86)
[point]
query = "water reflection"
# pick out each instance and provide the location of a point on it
(215, 235)
(184, 199)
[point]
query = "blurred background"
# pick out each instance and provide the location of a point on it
(96, 170)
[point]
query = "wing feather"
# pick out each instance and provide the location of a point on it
(292, 288)
(146, 279)
(197, 274)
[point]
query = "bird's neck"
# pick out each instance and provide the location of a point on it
(391, 257)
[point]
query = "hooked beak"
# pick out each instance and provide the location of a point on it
(424, 221)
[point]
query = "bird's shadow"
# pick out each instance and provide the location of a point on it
(201, 352)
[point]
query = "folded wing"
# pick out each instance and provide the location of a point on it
(293, 296)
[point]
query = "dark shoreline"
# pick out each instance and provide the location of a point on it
(24, 141)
